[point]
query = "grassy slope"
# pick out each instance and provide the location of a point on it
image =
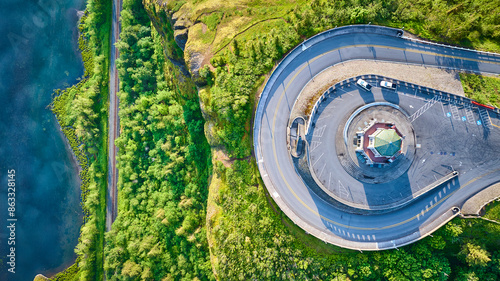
(484, 89)
(232, 194)
(493, 211)
(236, 19)
(473, 23)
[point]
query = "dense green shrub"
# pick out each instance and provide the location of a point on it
(159, 233)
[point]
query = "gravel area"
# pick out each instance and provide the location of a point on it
(440, 79)
(473, 206)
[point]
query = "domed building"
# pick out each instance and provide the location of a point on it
(379, 143)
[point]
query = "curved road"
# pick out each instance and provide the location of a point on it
(305, 208)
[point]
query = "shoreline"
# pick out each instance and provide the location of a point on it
(75, 166)
(74, 161)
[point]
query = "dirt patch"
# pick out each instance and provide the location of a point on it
(411, 35)
(219, 155)
(40, 277)
(440, 79)
(207, 56)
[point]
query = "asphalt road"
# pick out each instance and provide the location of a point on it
(305, 208)
(450, 135)
(113, 119)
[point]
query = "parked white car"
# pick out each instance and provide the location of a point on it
(363, 84)
(387, 85)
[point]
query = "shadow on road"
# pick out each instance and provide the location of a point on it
(390, 96)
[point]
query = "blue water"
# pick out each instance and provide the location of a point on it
(38, 53)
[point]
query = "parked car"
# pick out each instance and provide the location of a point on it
(387, 85)
(363, 84)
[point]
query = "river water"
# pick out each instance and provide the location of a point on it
(38, 53)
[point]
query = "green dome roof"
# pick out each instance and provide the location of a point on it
(387, 142)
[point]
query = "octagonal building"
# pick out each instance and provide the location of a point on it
(379, 143)
(385, 143)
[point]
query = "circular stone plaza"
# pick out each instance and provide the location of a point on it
(371, 167)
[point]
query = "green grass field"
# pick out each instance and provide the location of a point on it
(483, 89)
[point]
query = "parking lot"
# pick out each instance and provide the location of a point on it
(451, 135)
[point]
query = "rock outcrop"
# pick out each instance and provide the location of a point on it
(181, 23)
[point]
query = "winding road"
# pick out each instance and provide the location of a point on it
(309, 211)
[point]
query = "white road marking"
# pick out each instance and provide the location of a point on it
(469, 114)
(343, 190)
(322, 169)
(323, 117)
(318, 132)
(454, 111)
(318, 159)
(485, 117)
(424, 108)
(442, 107)
(314, 145)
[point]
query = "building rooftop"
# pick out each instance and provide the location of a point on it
(387, 142)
